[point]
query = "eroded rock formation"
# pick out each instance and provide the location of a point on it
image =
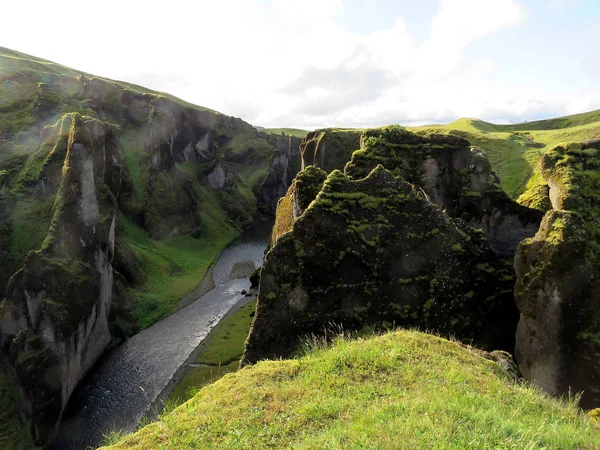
(557, 290)
(54, 317)
(374, 252)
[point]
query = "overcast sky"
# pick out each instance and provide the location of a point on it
(317, 63)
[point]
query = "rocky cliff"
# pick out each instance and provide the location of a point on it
(330, 148)
(557, 293)
(54, 315)
(449, 171)
(374, 252)
(282, 170)
(106, 191)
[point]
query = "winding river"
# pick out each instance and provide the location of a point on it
(122, 387)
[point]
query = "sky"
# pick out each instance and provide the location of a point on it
(317, 63)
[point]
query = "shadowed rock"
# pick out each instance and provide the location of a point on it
(558, 270)
(54, 316)
(373, 252)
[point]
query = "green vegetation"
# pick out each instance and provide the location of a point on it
(173, 267)
(288, 131)
(403, 390)
(220, 353)
(14, 431)
(513, 150)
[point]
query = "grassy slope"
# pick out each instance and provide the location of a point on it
(400, 390)
(13, 60)
(514, 150)
(289, 131)
(220, 354)
(173, 267)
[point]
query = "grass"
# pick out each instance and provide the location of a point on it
(289, 131)
(173, 266)
(220, 354)
(403, 390)
(14, 431)
(513, 150)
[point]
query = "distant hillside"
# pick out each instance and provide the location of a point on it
(403, 390)
(514, 150)
(288, 131)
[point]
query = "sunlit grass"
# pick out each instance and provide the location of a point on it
(403, 390)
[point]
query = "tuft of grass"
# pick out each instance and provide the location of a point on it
(220, 354)
(403, 389)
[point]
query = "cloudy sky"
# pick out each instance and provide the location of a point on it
(316, 63)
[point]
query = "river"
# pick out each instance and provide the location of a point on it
(123, 385)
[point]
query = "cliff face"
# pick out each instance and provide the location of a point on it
(449, 171)
(330, 148)
(54, 315)
(102, 184)
(282, 170)
(375, 252)
(557, 293)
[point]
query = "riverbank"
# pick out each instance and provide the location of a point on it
(218, 354)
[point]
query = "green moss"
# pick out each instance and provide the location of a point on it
(14, 430)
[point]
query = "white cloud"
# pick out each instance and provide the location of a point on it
(282, 62)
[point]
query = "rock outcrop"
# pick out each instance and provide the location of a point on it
(329, 148)
(374, 252)
(301, 193)
(284, 166)
(558, 270)
(449, 171)
(54, 317)
(452, 174)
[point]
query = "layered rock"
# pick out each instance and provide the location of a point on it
(53, 319)
(374, 252)
(557, 290)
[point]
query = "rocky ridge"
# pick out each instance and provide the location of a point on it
(92, 173)
(375, 249)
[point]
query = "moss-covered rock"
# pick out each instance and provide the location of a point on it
(452, 174)
(372, 252)
(329, 148)
(301, 193)
(54, 315)
(557, 290)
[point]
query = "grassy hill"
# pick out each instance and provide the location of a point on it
(514, 150)
(403, 389)
(289, 131)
